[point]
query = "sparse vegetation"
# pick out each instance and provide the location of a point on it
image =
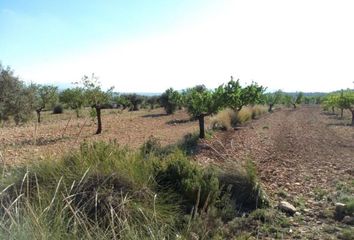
(105, 191)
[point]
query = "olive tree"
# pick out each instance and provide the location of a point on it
(170, 100)
(95, 96)
(201, 102)
(73, 98)
(15, 97)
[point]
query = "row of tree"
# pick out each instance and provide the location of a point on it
(18, 100)
(343, 100)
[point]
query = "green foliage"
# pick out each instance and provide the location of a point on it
(170, 100)
(203, 102)
(73, 98)
(153, 101)
(93, 92)
(235, 97)
(58, 109)
(121, 101)
(135, 101)
(272, 98)
(15, 97)
(196, 188)
(105, 191)
(46, 96)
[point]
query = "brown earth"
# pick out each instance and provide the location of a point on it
(58, 134)
(303, 156)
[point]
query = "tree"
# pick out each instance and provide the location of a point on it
(201, 102)
(73, 98)
(170, 100)
(44, 96)
(95, 96)
(297, 99)
(273, 98)
(346, 100)
(121, 101)
(15, 97)
(237, 97)
(135, 101)
(153, 101)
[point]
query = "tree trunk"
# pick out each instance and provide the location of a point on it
(352, 117)
(77, 112)
(201, 126)
(294, 105)
(333, 110)
(99, 120)
(38, 111)
(270, 109)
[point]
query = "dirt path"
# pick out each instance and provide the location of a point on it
(303, 156)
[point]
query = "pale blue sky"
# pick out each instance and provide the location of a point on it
(148, 46)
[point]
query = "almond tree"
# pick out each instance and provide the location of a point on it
(272, 98)
(170, 100)
(95, 96)
(236, 97)
(201, 102)
(44, 96)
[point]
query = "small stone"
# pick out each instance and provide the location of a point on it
(340, 211)
(348, 220)
(297, 214)
(287, 207)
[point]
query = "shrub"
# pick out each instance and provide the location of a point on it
(104, 191)
(196, 187)
(244, 188)
(58, 109)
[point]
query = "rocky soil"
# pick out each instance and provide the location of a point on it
(303, 156)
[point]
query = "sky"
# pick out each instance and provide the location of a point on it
(149, 46)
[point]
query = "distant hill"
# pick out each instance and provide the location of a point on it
(308, 94)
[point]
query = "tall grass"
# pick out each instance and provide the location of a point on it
(228, 118)
(104, 191)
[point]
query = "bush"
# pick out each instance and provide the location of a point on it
(58, 109)
(104, 191)
(244, 188)
(196, 187)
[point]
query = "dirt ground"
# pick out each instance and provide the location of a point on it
(303, 156)
(58, 134)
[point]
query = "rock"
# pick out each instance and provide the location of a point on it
(287, 207)
(348, 220)
(297, 214)
(340, 211)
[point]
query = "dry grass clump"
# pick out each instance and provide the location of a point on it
(258, 110)
(224, 120)
(228, 118)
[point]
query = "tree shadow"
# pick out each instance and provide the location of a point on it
(41, 141)
(155, 115)
(180, 121)
(339, 124)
